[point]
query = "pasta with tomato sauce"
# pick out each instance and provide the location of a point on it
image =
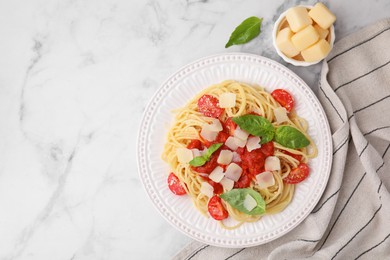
(238, 151)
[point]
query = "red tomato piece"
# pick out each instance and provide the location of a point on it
(206, 142)
(218, 188)
(240, 150)
(195, 144)
(283, 98)
(230, 126)
(216, 209)
(298, 174)
(209, 106)
(175, 185)
(267, 149)
(295, 156)
(209, 166)
(221, 137)
(244, 181)
(253, 161)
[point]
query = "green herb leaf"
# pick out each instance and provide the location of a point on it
(201, 160)
(291, 137)
(236, 197)
(198, 161)
(257, 126)
(245, 32)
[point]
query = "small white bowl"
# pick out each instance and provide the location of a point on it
(278, 23)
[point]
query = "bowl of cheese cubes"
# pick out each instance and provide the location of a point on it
(304, 35)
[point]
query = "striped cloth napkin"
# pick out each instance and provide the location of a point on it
(352, 219)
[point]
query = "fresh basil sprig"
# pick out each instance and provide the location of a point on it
(236, 197)
(290, 137)
(246, 31)
(201, 160)
(257, 126)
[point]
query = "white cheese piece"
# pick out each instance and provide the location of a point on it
(280, 114)
(196, 152)
(184, 155)
(253, 143)
(304, 38)
(225, 157)
(208, 133)
(231, 143)
(233, 172)
(284, 43)
(217, 174)
(236, 157)
(227, 184)
(298, 18)
(317, 51)
(227, 100)
(239, 142)
(241, 134)
(272, 163)
(207, 189)
(249, 202)
(322, 16)
(216, 125)
(265, 179)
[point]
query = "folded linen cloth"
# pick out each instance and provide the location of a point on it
(352, 218)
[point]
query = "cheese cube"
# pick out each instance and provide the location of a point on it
(316, 52)
(280, 115)
(225, 157)
(217, 174)
(283, 41)
(227, 184)
(305, 38)
(249, 202)
(298, 18)
(322, 16)
(322, 32)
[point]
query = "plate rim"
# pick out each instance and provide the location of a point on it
(168, 84)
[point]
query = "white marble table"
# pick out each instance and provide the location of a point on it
(75, 78)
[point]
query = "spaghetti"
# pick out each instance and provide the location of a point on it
(186, 134)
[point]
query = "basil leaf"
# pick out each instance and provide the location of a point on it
(198, 161)
(212, 149)
(245, 32)
(236, 197)
(201, 160)
(257, 126)
(290, 137)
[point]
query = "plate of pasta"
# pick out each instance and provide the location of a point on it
(234, 150)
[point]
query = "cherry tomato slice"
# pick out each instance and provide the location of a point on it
(298, 174)
(208, 106)
(283, 98)
(216, 209)
(175, 185)
(295, 156)
(267, 149)
(195, 144)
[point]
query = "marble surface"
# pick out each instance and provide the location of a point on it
(75, 78)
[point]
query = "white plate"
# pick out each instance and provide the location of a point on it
(175, 93)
